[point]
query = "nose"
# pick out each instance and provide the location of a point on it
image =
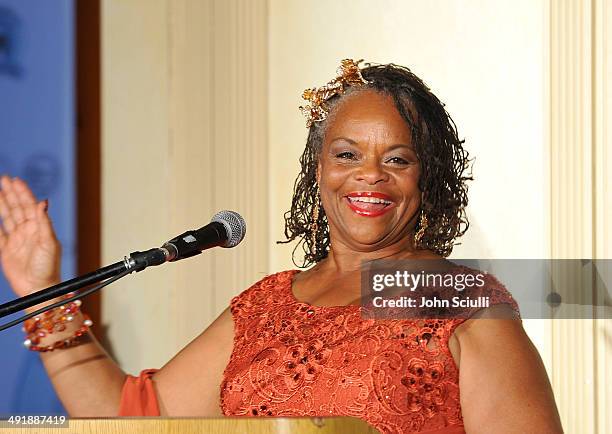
(371, 172)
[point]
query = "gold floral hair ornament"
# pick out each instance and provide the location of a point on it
(349, 74)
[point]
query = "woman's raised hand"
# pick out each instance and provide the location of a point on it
(29, 250)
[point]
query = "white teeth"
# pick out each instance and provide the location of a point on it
(369, 200)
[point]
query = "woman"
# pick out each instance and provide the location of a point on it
(382, 178)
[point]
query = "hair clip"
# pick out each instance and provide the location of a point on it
(349, 74)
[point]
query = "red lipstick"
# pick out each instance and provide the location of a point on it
(369, 203)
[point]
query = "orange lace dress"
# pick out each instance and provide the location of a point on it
(294, 359)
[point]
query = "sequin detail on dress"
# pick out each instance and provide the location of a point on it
(294, 359)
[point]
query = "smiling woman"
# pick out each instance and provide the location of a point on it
(386, 128)
(367, 152)
(382, 178)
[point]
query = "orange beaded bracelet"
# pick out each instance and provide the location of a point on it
(55, 320)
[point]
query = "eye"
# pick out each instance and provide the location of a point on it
(347, 155)
(398, 160)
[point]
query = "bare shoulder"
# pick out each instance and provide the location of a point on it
(189, 384)
(503, 382)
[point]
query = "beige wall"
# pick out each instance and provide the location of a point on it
(184, 136)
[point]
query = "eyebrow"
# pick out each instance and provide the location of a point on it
(401, 145)
(391, 148)
(346, 139)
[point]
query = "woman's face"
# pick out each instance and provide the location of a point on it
(368, 174)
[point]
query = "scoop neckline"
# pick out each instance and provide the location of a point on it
(289, 290)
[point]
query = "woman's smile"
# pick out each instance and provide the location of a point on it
(369, 203)
(369, 173)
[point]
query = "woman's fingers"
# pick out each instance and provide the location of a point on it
(12, 201)
(5, 212)
(44, 222)
(18, 204)
(3, 238)
(26, 198)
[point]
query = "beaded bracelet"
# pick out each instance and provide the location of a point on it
(55, 320)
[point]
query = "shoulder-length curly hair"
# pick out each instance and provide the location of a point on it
(443, 160)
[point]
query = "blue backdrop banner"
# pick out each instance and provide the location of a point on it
(37, 124)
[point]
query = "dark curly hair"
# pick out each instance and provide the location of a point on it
(443, 160)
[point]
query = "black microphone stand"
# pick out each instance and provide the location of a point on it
(137, 261)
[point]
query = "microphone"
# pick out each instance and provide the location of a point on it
(226, 229)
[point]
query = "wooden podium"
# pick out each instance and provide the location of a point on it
(239, 425)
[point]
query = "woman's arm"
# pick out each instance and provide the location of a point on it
(86, 379)
(188, 385)
(88, 382)
(502, 380)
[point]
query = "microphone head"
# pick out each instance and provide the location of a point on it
(234, 226)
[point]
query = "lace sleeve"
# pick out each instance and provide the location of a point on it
(497, 294)
(253, 301)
